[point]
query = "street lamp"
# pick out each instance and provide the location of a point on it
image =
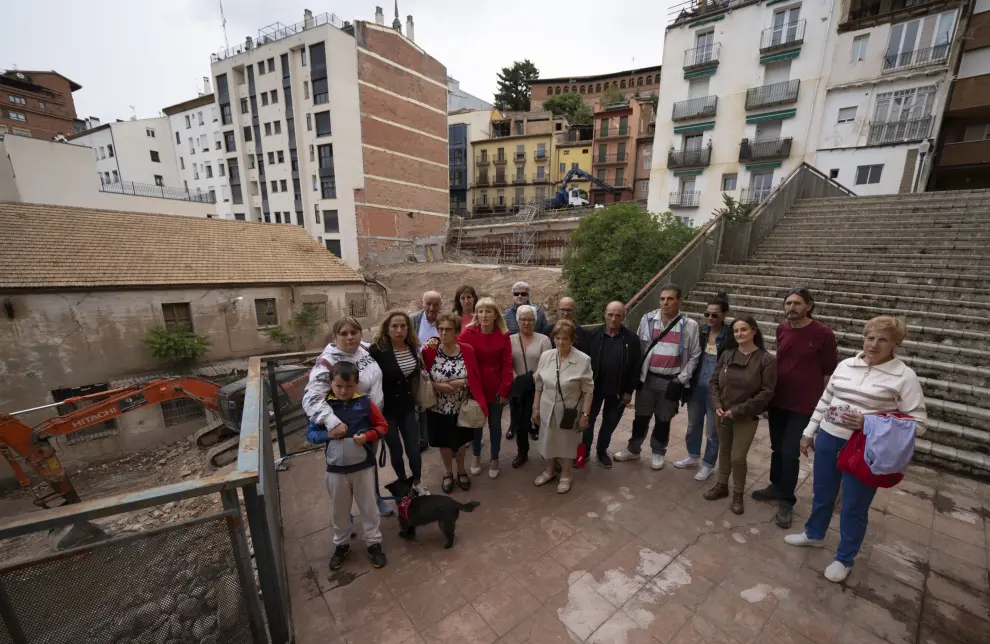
(923, 149)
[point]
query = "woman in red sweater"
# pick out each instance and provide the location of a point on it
(489, 336)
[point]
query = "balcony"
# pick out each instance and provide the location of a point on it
(865, 13)
(706, 106)
(520, 157)
(150, 190)
(519, 179)
(965, 153)
(937, 55)
(482, 181)
(773, 94)
(971, 97)
(782, 36)
(701, 57)
(499, 159)
(689, 158)
(885, 133)
(482, 204)
(541, 156)
(500, 180)
(753, 196)
(765, 150)
(541, 178)
(607, 159)
(483, 161)
(684, 199)
(618, 131)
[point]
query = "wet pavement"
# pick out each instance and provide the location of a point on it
(634, 556)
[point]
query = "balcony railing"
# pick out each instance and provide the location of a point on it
(520, 157)
(689, 158)
(483, 161)
(778, 36)
(500, 180)
(518, 179)
(765, 150)
(936, 55)
(483, 181)
(607, 132)
(278, 31)
(704, 56)
(874, 8)
(482, 204)
(706, 106)
(899, 131)
(605, 159)
(499, 160)
(754, 195)
(541, 157)
(541, 178)
(151, 190)
(684, 199)
(773, 94)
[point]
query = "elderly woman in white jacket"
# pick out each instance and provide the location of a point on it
(346, 347)
(873, 382)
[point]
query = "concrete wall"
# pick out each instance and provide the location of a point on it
(189, 164)
(132, 144)
(72, 339)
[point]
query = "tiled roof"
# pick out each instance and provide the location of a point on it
(44, 246)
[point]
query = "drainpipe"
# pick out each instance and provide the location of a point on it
(818, 81)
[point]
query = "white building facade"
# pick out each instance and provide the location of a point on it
(137, 154)
(755, 88)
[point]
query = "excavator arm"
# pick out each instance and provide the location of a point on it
(33, 446)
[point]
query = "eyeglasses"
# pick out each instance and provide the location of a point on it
(712, 315)
(520, 294)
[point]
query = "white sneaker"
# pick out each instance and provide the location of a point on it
(657, 462)
(475, 468)
(704, 473)
(420, 489)
(837, 572)
(802, 541)
(493, 474)
(625, 455)
(685, 463)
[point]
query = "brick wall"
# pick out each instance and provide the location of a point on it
(403, 99)
(43, 123)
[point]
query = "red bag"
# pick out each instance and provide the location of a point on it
(851, 461)
(582, 456)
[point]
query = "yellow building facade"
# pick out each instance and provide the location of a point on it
(573, 150)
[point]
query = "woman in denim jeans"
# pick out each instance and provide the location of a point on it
(700, 411)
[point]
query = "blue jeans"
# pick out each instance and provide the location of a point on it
(494, 431)
(403, 431)
(701, 413)
(856, 500)
(611, 415)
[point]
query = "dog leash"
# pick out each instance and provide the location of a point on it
(381, 463)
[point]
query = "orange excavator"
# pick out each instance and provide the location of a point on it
(21, 443)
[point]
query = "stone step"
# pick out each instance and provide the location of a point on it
(707, 290)
(912, 198)
(717, 281)
(793, 272)
(979, 207)
(828, 306)
(856, 234)
(891, 261)
(878, 227)
(908, 248)
(946, 215)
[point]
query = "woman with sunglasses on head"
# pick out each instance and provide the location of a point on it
(454, 371)
(465, 299)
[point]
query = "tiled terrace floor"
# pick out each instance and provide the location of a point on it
(632, 556)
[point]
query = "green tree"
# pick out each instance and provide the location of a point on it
(513, 85)
(611, 95)
(571, 106)
(615, 251)
(734, 210)
(177, 346)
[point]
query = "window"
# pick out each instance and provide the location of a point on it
(905, 104)
(103, 152)
(623, 124)
(199, 115)
(326, 157)
(333, 245)
(302, 57)
(316, 212)
(266, 312)
(239, 216)
(213, 113)
(251, 161)
(644, 186)
(833, 173)
(278, 217)
(209, 170)
(647, 158)
(261, 68)
(309, 122)
(729, 182)
(116, 177)
(17, 99)
(322, 123)
(271, 158)
(274, 96)
(601, 174)
(281, 156)
(321, 91)
(212, 193)
(282, 185)
(177, 315)
(549, 91)
(305, 89)
(328, 188)
(312, 156)
(622, 85)
(649, 79)
(17, 116)
(271, 64)
(639, 82)
(247, 132)
(847, 114)
(226, 118)
(860, 44)
(178, 141)
(220, 169)
(620, 176)
(268, 129)
(192, 148)
(195, 171)
(230, 142)
(563, 168)
(598, 87)
(868, 174)
(556, 90)
(274, 185)
(330, 222)
(182, 163)
(264, 98)
(244, 106)
(106, 177)
(188, 122)
(278, 127)
(581, 89)
(154, 157)
(314, 183)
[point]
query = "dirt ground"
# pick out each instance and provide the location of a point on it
(407, 282)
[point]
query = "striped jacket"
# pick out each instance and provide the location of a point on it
(856, 386)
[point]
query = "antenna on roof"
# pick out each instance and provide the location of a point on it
(223, 22)
(133, 113)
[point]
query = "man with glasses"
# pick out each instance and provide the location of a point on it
(520, 297)
(567, 310)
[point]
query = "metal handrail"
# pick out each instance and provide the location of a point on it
(773, 94)
(687, 158)
(916, 58)
(790, 33)
(704, 55)
(694, 107)
(765, 149)
(897, 131)
(156, 191)
(684, 199)
(612, 158)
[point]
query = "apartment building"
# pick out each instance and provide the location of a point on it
(135, 157)
(458, 99)
(514, 165)
(194, 135)
(338, 127)
(754, 88)
(617, 130)
(36, 103)
(630, 82)
(962, 160)
(573, 152)
(463, 127)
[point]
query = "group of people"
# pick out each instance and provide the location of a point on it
(558, 379)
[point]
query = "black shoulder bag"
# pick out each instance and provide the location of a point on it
(649, 349)
(524, 384)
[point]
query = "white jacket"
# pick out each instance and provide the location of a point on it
(856, 386)
(314, 401)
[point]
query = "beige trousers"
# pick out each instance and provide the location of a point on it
(356, 488)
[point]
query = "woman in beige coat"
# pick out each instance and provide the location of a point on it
(563, 380)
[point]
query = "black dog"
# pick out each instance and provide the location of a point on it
(415, 510)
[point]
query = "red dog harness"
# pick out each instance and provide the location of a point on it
(403, 507)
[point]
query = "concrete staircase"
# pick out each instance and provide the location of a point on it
(924, 258)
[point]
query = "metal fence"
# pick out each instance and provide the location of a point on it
(695, 107)
(898, 131)
(161, 192)
(689, 157)
(916, 58)
(791, 33)
(773, 94)
(186, 582)
(704, 55)
(764, 149)
(727, 241)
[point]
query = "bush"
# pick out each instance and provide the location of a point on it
(615, 251)
(302, 328)
(177, 345)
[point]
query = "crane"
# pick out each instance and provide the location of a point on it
(568, 198)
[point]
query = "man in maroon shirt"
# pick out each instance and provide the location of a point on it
(806, 357)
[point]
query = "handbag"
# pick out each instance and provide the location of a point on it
(524, 384)
(471, 415)
(569, 418)
(649, 349)
(424, 393)
(852, 461)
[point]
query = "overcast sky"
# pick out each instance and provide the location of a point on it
(154, 53)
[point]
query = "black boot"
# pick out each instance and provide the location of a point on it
(769, 493)
(339, 554)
